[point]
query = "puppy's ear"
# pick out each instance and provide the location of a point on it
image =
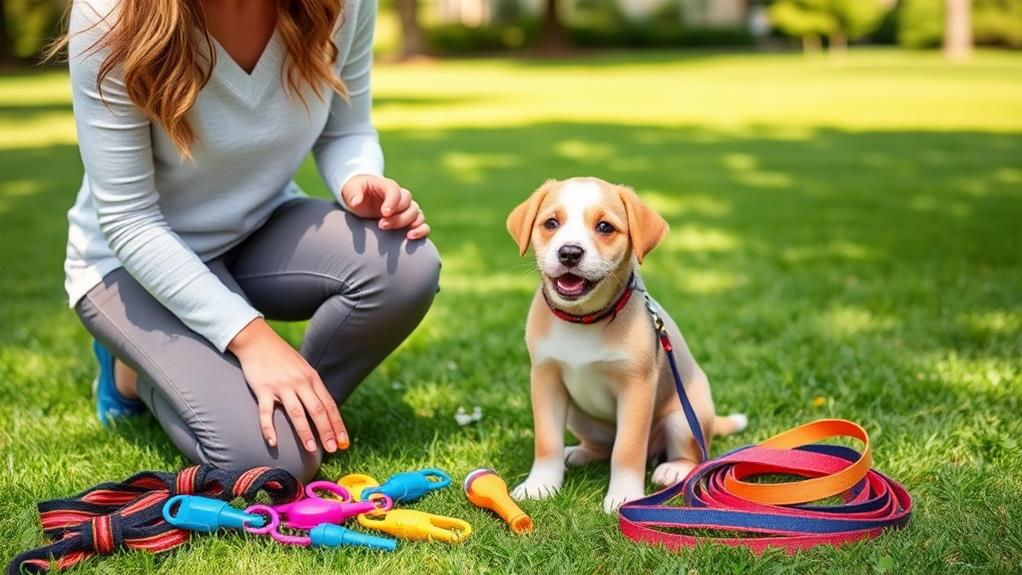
(646, 228)
(523, 218)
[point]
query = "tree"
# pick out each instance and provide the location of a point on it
(838, 20)
(5, 42)
(413, 42)
(26, 26)
(554, 37)
(997, 22)
(920, 23)
(958, 30)
(927, 23)
(802, 20)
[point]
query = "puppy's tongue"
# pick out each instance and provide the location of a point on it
(570, 284)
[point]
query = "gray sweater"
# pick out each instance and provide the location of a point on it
(160, 217)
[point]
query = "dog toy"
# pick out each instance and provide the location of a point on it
(205, 515)
(411, 485)
(417, 525)
(330, 535)
(321, 535)
(484, 488)
(313, 510)
(354, 483)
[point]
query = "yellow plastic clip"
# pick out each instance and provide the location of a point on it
(355, 483)
(417, 525)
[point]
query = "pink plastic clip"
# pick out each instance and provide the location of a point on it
(322, 535)
(313, 510)
(272, 527)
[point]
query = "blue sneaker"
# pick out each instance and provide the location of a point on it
(110, 404)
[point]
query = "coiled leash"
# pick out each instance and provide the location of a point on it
(109, 516)
(715, 495)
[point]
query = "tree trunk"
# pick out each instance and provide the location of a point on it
(958, 30)
(810, 44)
(412, 40)
(555, 38)
(5, 41)
(838, 43)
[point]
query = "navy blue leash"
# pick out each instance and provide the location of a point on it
(679, 383)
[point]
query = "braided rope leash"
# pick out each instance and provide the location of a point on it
(716, 496)
(109, 516)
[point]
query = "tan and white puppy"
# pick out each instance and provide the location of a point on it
(608, 382)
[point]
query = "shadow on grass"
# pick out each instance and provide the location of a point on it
(801, 265)
(603, 58)
(24, 112)
(380, 102)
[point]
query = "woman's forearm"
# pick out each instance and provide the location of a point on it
(349, 144)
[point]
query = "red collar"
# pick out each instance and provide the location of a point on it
(610, 311)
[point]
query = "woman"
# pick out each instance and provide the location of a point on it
(193, 117)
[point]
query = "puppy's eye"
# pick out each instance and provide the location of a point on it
(551, 224)
(605, 228)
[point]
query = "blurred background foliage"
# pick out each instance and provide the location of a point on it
(837, 20)
(994, 23)
(409, 28)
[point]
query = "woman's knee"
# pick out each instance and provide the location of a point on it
(244, 452)
(420, 272)
(416, 278)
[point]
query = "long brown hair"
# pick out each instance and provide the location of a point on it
(154, 44)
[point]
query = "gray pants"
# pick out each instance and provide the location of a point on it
(363, 289)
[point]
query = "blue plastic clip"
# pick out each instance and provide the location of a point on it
(410, 485)
(204, 515)
(330, 535)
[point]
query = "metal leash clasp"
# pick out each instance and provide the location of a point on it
(658, 324)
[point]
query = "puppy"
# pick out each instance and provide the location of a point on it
(597, 368)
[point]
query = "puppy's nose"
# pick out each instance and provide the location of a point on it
(570, 255)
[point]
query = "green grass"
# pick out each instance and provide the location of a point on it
(845, 243)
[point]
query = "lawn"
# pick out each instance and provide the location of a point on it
(846, 242)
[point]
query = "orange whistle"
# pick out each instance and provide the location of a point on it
(484, 488)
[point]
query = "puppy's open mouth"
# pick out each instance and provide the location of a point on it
(570, 286)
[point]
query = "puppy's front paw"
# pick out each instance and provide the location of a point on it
(671, 472)
(613, 500)
(535, 488)
(624, 487)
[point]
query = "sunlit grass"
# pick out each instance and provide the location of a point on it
(710, 90)
(845, 243)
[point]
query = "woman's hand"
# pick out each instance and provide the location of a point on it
(279, 374)
(383, 199)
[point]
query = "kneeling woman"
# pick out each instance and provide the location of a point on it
(193, 117)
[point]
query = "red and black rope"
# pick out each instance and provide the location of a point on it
(109, 516)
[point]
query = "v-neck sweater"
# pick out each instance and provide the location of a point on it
(143, 207)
